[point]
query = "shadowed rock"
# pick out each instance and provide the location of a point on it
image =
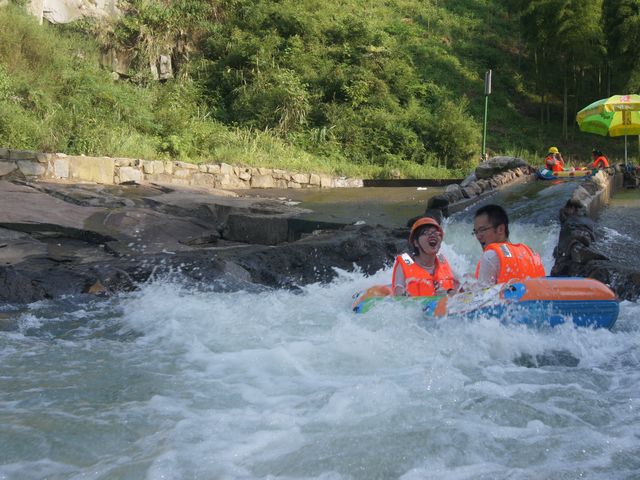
(60, 239)
(576, 255)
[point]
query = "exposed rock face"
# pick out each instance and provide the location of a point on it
(65, 11)
(60, 239)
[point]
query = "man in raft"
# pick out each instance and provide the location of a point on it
(502, 260)
(424, 272)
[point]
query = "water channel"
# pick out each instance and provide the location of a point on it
(174, 382)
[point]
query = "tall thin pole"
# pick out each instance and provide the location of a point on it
(487, 92)
(484, 129)
(625, 151)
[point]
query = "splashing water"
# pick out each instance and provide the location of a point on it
(176, 382)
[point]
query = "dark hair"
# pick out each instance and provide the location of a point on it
(414, 238)
(596, 152)
(416, 235)
(496, 215)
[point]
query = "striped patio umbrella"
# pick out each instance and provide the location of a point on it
(614, 116)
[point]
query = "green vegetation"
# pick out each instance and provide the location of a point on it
(349, 87)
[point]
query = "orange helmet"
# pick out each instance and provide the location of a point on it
(421, 222)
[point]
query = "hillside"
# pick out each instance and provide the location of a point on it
(343, 87)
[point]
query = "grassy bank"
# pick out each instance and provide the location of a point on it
(341, 87)
(54, 97)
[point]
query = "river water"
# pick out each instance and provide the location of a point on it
(174, 382)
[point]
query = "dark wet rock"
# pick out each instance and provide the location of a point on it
(262, 229)
(454, 193)
(577, 228)
(576, 255)
(315, 258)
(436, 214)
(554, 358)
(483, 185)
(62, 239)
(470, 179)
(206, 239)
(440, 201)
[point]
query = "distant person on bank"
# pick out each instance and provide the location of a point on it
(423, 272)
(554, 161)
(599, 160)
(501, 260)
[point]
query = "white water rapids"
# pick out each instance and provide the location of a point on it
(174, 382)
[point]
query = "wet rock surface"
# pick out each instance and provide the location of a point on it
(579, 254)
(62, 239)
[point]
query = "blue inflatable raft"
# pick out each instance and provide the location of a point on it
(545, 174)
(546, 301)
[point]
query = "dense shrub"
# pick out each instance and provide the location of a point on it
(365, 88)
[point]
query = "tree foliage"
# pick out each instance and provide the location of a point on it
(348, 68)
(622, 27)
(380, 85)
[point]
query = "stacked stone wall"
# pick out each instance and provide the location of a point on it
(576, 255)
(33, 166)
(488, 177)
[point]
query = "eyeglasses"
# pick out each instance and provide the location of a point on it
(481, 230)
(434, 232)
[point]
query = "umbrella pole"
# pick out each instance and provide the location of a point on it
(625, 150)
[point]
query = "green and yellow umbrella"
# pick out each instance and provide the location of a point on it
(614, 116)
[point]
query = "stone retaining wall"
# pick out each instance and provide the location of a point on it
(488, 177)
(575, 254)
(30, 165)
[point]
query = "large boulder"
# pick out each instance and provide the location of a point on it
(63, 239)
(496, 165)
(576, 254)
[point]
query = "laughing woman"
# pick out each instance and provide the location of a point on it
(424, 273)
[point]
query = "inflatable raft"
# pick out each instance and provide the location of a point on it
(546, 174)
(546, 301)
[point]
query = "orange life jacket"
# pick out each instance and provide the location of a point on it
(554, 164)
(516, 261)
(549, 162)
(420, 283)
(600, 162)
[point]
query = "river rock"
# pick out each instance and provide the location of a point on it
(497, 165)
(67, 239)
(576, 256)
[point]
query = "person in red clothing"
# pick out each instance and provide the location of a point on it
(502, 260)
(424, 272)
(554, 161)
(599, 160)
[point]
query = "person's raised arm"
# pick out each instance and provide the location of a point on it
(489, 268)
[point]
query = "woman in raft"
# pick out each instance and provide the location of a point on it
(599, 160)
(424, 273)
